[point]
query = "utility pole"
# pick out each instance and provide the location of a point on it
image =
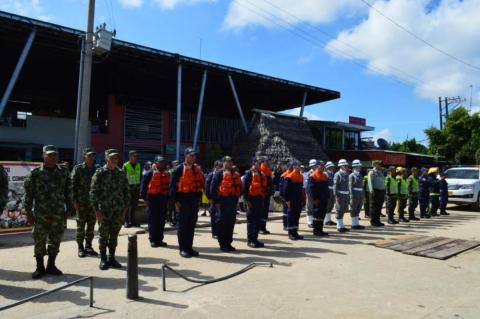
(83, 127)
(440, 112)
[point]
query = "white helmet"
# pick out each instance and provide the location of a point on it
(312, 162)
(356, 163)
(329, 164)
(343, 162)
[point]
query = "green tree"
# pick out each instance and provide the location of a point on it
(459, 141)
(409, 146)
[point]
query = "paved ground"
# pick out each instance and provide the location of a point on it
(338, 277)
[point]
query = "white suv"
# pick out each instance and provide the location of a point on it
(464, 185)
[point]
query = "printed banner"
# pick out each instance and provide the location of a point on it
(11, 218)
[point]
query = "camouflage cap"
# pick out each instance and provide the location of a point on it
(227, 159)
(377, 162)
(88, 151)
(111, 152)
(50, 149)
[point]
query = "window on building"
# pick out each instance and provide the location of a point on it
(352, 140)
(333, 139)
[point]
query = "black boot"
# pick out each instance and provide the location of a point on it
(40, 270)
(318, 228)
(103, 261)
(89, 249)
(293, 235)
(81, 251)
(402, 219)
(51, 268)
(112, 262)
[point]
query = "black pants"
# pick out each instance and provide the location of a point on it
(130, 215)
(254, 218)
(266, 209)
(319, 209)
(376, 203)
(366, 204)
(186, 220)
(225, 218)
(157, 213)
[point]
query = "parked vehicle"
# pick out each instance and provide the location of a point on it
(464, 186)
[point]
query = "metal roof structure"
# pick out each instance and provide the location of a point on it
(135, 75)
(342, 125)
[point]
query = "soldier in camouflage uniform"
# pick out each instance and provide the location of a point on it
(110, 197)
(3, 188)
(81, 179)
(47, 195)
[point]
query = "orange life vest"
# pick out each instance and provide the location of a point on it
(237, 184)
(159, 183)
(295, 177)
(191, 180)
(226, 187)
(258, 185)
(319, 177)
(265, 170)
(286, 173)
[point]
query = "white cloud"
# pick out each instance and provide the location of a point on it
(31, 8)
(386, 134)
(242, 13)
(131, 3)
(172, 4)
(309, 115)
(452, 26)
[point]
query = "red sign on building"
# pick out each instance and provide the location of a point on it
(357, 121)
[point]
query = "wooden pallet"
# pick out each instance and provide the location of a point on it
(431, 247)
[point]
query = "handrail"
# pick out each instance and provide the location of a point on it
(48, 292)
(210, 281)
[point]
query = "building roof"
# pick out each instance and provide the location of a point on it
(135, 74)
(343, 125)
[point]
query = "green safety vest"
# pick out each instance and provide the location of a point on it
(393, 188)
(403, 186)
(133, 174)
(413, 184)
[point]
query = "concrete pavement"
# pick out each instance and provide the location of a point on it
(336, 277)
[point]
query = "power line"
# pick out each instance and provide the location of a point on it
(419, 38)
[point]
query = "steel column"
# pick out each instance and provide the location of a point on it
(178, 136)
(18, 69)
(237, 101)
(303, 103)
(79, 101)
(199, 111)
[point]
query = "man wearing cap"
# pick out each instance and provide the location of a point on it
(443, 193)
(171, 216)
(293, 195)
(309, 203)
(208, 187)
(269, 191)
(424, 193)
(288, 170)
(47, 194)
(412, 185)
(434, 191)
(133, 171)
(110, 197)
(391, 188)
(3, 188)
(154, 192)
(81, 178)
(355, 188)
(402, 185)
(318, 192)
(376, 186)
(330, 166)
(341, 193)
(254, 186)
(224, 197)
(186, 186)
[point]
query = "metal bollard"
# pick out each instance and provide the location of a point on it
(132, 268)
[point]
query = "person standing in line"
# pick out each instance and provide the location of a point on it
(46, 201)
(293, 195)
(110, 197)
(355, 187)
(330, 166)
(154, 191)
(81, 178)
(434, 191)
(391, 188)
(254, 186)
(402, 186)
(443, 194)
(269, 191)
(318, 192)
(424, 193)
(366, 205)
(133, 171)
(376, 186)
(208, 183)
(186, 186)
(412, 184)
(289, 170)
(341, 193)
(171, 216)
(309, 202)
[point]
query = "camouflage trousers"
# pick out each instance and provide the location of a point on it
(109, 228)
(85, 217)
(47, 234)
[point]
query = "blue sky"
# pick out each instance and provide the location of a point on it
(383, 73)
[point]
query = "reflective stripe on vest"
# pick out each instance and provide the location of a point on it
(133, 174)
(159, 183)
